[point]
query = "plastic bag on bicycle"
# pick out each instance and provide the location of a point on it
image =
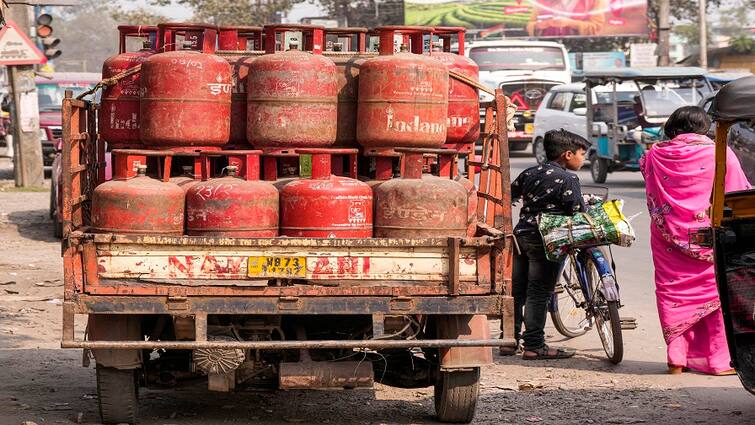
(603, 224)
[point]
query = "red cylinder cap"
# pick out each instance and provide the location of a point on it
(169, 30)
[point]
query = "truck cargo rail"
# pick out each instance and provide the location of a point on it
(376, 344)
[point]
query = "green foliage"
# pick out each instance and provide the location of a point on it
(689, 32)
(743, 44)
(235, 12)
(88, 33)
(365, 13)
(681, 10)
(139, 16)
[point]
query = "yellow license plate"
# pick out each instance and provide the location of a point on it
(529, 128)
(283, 267)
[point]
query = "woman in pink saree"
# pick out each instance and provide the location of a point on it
(679, 179)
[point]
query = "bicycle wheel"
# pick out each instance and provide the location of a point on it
(568, 312)
(606, 315)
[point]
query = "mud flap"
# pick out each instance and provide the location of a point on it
(464, 327)
(115, 327)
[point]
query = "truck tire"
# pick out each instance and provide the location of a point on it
(598, 169)
(456, 395)
(117, 395)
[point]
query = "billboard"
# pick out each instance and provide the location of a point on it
(534, 18)
(597, 61)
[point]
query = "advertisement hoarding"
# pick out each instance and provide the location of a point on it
(534, 18)
(597, 61)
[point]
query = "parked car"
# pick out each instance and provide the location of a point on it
(565, 106)
(51, 89)
(718, 79)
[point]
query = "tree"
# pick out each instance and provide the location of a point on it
(236, 12)
(681, 10)
(89, 35)
(365, 13)
(743, 44)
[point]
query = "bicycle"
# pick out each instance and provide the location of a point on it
(587, 294)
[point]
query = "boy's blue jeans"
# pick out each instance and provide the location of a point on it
(533, 281)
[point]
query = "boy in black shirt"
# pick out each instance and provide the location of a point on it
(547, 188)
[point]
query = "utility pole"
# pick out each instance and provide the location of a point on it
(27, 159)
(664, 9)
(703, 36)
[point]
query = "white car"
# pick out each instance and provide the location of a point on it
(565, 106)
(525, 70)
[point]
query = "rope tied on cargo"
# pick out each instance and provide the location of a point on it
(510, 108)
(474, 83)
(107, 82)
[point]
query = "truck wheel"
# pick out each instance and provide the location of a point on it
(117, 395)
(456, 395)
(598, 169)
(538, 150)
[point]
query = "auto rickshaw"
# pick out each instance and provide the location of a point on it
(622, 129)
(733, 223)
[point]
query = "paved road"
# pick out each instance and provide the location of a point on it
(41, 383)
(645, 351)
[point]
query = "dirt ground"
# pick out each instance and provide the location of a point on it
(42, 384)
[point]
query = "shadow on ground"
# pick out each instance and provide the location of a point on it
(50, 385)
(33, 224)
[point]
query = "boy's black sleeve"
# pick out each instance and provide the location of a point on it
(572, 196)
(516, 189)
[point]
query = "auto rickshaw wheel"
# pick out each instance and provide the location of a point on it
(117, 395)
(456, 395)
(598, 169)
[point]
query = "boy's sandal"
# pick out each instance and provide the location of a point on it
(547, 353)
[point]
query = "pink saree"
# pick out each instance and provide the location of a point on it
(678, 179)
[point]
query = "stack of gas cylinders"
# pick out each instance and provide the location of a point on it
(287, 130)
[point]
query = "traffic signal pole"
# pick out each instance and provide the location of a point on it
(27, 159)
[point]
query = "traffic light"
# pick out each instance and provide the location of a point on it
(44, 32)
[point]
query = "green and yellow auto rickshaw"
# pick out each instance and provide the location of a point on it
(733, 223)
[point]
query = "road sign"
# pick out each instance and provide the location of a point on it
(642, 55)
(16, 48)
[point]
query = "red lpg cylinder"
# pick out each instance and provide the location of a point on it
(326, 206)
(415, 206)
(119, 110)
(239, 45)
(185, 98)
(137, 203)
(233, 206)
(463, 101)
(292, 95)
(448, 169)
(403, 98)
(347, 48)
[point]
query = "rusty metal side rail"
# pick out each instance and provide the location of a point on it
(377, 344)
(286, 305)
(109, 238)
